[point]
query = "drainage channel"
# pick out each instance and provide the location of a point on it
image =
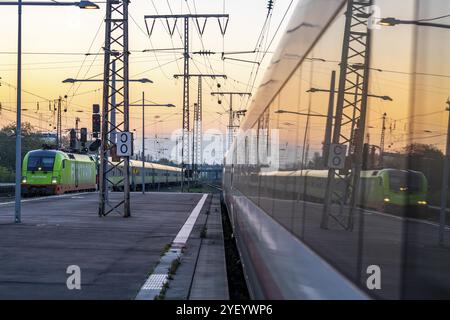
(236, 280)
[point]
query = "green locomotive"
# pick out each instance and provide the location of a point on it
(50, 172)
(57, 172)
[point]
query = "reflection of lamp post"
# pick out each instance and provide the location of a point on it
(302, 113)
(386, 98)
(444, 191)
(143, 105)
(327, 139)
(390, 22)
(332, 91)
(20, 4)
(424, 23)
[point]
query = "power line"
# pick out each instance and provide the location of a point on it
(151, 45)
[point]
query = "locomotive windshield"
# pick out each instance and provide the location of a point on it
(41, 162)
(405, 181)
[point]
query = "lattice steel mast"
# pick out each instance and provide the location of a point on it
(351, 108)
(201, 29)
(197, 125)
(382, 138)
(230, 111)
(116, 51)
(59, 124)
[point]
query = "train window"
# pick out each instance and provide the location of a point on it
(41, 163)
(404, 181)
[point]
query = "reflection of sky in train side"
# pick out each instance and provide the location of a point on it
(391, 75)
(43, 74)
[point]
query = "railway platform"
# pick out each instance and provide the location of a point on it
(117, 257)
(6, 188)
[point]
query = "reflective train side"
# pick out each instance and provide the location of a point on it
(276, 205)
(276, 263)
(382, 189)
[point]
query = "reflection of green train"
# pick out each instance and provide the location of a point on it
(378, 188)
(58, 172)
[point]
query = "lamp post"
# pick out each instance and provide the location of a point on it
(20, 4)
(113, 94)
(143, 105)
(327, 139)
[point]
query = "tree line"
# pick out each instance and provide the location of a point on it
(30, 141)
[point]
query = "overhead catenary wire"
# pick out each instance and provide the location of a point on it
(151, 46)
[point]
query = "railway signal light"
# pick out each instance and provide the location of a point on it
(95, 108)
(73, 139)
(96, 123)
(83, 135)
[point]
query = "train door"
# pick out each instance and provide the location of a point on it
(76, 174)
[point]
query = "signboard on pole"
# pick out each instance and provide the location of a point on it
(124, 144)
(336, 158)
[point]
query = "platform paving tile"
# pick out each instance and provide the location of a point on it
(115, 254)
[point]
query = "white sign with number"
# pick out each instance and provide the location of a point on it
(336, 158)
(124, 144)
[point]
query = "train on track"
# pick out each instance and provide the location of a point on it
(49, 172)
(293, 246)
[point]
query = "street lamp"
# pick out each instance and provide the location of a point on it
(143, 105)
(19, 4)
(71, 80)
(113, 95)
(390, 22)
(79, 4)
(87, 5)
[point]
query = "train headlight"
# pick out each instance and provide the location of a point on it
(387, 200)
(24, 179)
(54, 180)
(423, 203)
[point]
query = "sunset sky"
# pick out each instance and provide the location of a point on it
(55, 40)
(63, 35)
